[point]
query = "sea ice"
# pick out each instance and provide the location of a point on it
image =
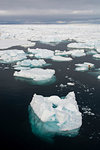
(58, 114)
(80, 45)
(9, 56)
(70, 83)
(36, 74)
(96, 56)
(7, 43)
(61, 58)
(84, 67)
(41, 53)
(30, 63)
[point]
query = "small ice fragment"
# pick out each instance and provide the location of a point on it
(70, 83)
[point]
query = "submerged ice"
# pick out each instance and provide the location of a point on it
(55, 115)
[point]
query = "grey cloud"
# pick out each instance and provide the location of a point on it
(58, 8)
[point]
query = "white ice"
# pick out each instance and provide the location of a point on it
(41, 53)
(7, 43)
(96, 56)
(70, 83)
(36, 74)
(80, 45)
(61, 58)
(84, 67)
(30, 63)
(9, 56)
(61, 114)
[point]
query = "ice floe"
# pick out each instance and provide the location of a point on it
(97, 56)
(41, 53)
(55, 115)
(7, 43)
(37, 75)
(30, 63)
(70, 83)
(84, 67)
(61, 58)
(80, 45)
(10, 56)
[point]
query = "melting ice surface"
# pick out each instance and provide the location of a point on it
(38, 75)
(53, 115)
(10, 56)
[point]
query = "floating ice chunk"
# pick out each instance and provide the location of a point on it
(4, 44)
(9, 56)
(80, 45)
(96, 56)
(78, 53)
(36, 74)
(98, 77)
(70, 83)
(62, 85)
(61, 53)
(41, 53)
(84, 67)
(31, 63)
(57, 114)
(61, 58)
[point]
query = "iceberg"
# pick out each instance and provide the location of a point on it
(38, 75)
(61, 58)
(55, 116)
(84, 67)
(10, 56)
(30, 63)
(41, 53)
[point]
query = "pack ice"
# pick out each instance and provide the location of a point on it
(9, 56)
(36, 74)
(57, 115)
(7, 43)
(84, 67)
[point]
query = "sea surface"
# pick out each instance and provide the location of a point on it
(16, 95)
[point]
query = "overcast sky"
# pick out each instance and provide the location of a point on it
(48, 10)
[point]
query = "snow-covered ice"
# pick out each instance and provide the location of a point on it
(7, 43)
(30, 63)
(36, 74)
(41, 53)
(61, 58)
(84, 67)
(97, 56)
(9, 56)
(80, 45)
(62, 114)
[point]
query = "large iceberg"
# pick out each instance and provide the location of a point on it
(38, 75)
(84, 67)
(9, 56)
(41, 53)
(55, 115)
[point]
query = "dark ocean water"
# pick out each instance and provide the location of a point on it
(16, 95)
